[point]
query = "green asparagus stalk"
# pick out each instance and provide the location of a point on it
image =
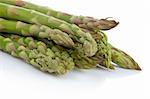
(31, 44)
(31, 16)
(102, 57)
(81, 61)
(115, 55)
(123, 60)
(82, 21)
(25, 29)
(63, 53)
(41, 57)
(104, 51)
(84, 62)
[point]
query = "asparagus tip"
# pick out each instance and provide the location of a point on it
(108, 23)
(138, 68)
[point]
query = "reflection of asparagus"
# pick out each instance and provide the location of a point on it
(39, 56)
(24, 29)
(30, 16)
(123, 60)
(84, 22)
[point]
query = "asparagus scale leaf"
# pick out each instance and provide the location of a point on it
(82, 21)
(31, 16)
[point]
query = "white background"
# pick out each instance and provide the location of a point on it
(20, 81)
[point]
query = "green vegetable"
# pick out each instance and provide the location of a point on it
(80, 60)
(31, 16)
(123, 60)
(25, 29)
(81, 21)
(90, 48)
(113, 54)
(38, 55)
(104, 49)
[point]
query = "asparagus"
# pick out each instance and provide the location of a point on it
(63, 53)
(25, 29)
(117, 56)
(82, 21)
(123, 60)
(31, 43)
(42, 57)
(81, 61)
(113, 54)
(104, 50)
(31, 16)
(102, 57)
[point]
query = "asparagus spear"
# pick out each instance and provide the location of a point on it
(30, 16)
(80, 60)
(115, 55)
(102, 57)
(31, 44)
(25, 29)
(123, 60)
(41, 57)
(104, 49)
(81, 21)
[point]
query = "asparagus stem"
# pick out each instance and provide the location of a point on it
(25, 29)
(82, 21)
(31, 43)
(102, 57)
(113, 54)
(41, 57)
(80, 60)
(31, 16)
(104, 49)
(106, 52)
(123, 60)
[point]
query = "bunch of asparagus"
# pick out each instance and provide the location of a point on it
(57, 42)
